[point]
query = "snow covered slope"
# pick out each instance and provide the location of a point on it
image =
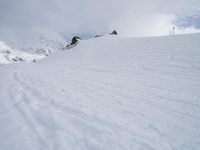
(8, 55)
(107, 93)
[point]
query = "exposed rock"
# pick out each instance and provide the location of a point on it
(16, 59)
(114, 32)
(75, 40)
(98, 36)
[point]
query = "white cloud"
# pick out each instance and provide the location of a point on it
(24, 18)
(187, 30)
(148, 25)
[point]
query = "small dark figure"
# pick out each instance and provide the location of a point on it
(114, 32)
(174, 33)
(75, 40)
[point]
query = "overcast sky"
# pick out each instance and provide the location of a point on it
(20, 19)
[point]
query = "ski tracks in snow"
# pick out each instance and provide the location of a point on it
(23, 110)
(120, 108)
(36, 114)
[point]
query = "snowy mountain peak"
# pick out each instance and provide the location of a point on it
(8, 55)
(42, 45)
(4, 47)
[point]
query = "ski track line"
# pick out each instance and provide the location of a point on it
(81, 116)
(107, 91)
(161, 107)
(22, 114)
(104, 84)
(103, 92)
(89, 84)
(91, 89)
(107, 83)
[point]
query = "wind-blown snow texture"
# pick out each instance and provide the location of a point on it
(107, 93)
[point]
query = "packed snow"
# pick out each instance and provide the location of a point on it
(107, 93)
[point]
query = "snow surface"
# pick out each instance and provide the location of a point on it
(107, 93)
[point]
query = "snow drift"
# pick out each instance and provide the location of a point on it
(105, 93)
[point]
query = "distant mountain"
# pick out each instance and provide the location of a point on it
(42, 45)
(30, 50)
(8, 55)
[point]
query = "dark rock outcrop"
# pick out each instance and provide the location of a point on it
(75, 40)
(114, 32)
(96, 36)
(73, 43)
